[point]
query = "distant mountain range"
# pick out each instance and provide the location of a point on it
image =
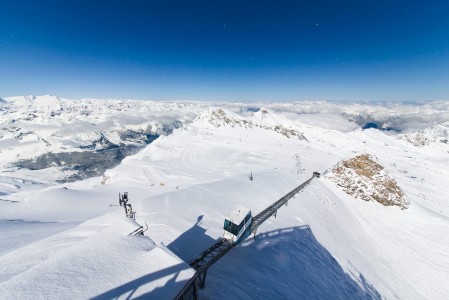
(83, 138)
(373, 226)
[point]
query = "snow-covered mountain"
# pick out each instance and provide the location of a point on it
(325, 244)
(433, 134)
(79, 139)
(262, 119)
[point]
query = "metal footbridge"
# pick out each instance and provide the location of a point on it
(273, 208)
(211, 255)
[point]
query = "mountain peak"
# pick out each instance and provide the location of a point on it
(262, 119)
(427, 136)
(221, 117)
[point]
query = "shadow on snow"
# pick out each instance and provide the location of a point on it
(167, 291)
(187, 246)
(281, 264)
(191, 243)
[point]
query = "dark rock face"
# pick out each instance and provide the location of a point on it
(102, 143)
(85, 163)
(94, 158)
(143, 137)
(167, 129)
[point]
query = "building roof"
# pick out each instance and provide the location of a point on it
(238, 214)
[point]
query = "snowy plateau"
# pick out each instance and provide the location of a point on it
(186, 165)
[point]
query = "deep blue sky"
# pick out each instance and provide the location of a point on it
(226, 50)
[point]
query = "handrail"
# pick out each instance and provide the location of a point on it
(201, 265)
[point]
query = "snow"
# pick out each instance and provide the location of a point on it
(34, 126)
(323, 244)
(238, 214)
(96, 261)
(434, 134)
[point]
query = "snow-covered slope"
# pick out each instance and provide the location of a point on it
(76, 139)
(325, 244)
(424, 137)
(94, 260)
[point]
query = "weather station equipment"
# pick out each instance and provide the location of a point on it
(237, 226)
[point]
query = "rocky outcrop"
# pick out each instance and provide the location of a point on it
(363, 177)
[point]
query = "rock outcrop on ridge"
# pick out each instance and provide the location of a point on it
(365, 178)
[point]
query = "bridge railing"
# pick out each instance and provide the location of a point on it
(273, 208)
(212, 254)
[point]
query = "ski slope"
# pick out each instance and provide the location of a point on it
(324, 244)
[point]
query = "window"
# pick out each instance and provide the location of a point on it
(227, 225)
(248, 216)
(241, 226)
(231, 227)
